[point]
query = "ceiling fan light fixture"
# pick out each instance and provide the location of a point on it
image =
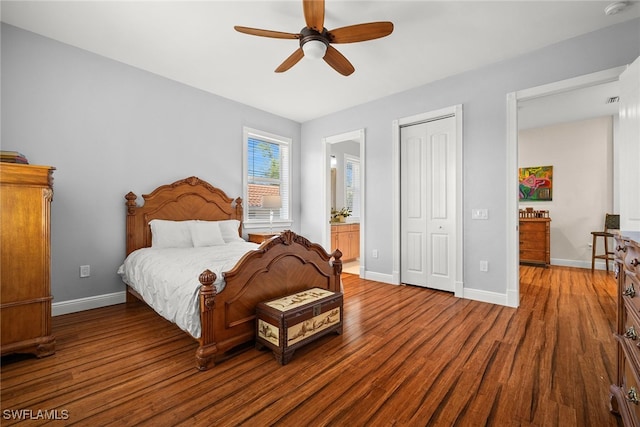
(615, 7)
(315, 49)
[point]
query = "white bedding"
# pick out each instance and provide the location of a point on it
(167, 278)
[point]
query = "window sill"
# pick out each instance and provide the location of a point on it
(279, 225)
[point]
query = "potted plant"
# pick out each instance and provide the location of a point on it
(340, 215)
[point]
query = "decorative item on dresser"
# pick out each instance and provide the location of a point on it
(26, 192)
(223, 315)
(535, 231)
(625, 393)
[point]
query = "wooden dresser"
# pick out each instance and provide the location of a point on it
(625, 393)
(535, 232)
(346, 237)
(26, 192)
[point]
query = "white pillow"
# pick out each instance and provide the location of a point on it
(170, 234)
(229, 229)
(205, 233)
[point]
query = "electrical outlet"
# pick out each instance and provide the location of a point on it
(85, 270)
(374, 253)
(484, 265)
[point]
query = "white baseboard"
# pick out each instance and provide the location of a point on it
(88, 303)
(379, 277)
(599, 265)
(486, 296)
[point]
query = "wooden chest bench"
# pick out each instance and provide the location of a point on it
(288, 323)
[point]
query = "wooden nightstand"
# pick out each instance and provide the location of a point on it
(260, 237)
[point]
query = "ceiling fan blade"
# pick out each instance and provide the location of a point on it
(338, 62)
(314, 14)
(361, 32)
(290, 61)
(266, 33)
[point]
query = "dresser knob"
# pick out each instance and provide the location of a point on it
(634, 262)
(632, 396)
(629, 291)
(631, 333)
(621, 248)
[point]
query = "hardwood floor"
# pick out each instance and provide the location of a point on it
(408, 357)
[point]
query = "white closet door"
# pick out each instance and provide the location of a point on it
(427, 193)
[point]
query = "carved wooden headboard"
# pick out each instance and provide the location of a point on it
(189, 198)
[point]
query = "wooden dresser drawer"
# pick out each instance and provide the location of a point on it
(533, 256)
(625, 392)
(536, 244)
(535, 241)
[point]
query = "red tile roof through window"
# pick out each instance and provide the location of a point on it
(256, 191)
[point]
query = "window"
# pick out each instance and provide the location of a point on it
(266, 174)
(352, 185)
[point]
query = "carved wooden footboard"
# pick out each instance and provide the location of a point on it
(286, 264)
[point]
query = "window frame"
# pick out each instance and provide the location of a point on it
(285, 181)
(348, 158)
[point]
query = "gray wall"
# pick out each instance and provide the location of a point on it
(483, 95)
(109, 129)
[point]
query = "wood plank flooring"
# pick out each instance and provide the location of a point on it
(407, 357)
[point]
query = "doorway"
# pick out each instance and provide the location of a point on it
(447, 167)
(345, 189)
(513, 99)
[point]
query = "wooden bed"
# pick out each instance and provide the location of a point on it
(286, 264)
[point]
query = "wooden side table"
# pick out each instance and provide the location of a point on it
(260, 237)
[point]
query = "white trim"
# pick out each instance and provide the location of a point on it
(355, 160)
(395, 201)
(88, 303)
(486, 296)
(356, 135)
(456, 111)
(512, 222)
(277, 139)
(511, 180)
(459, 279)
(599, 265)
(379, 277)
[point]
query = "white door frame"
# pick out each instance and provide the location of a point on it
(457, 240)
(512, 242)
(356, 135)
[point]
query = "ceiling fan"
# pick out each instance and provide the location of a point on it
(315, 40)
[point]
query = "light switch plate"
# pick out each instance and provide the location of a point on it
(479, 214)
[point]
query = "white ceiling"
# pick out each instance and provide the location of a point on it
(194, 42)
(578, 104)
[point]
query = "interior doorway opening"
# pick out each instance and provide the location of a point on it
(345, 194)
(514, 100)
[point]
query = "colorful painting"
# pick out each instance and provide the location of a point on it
(536, 183)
